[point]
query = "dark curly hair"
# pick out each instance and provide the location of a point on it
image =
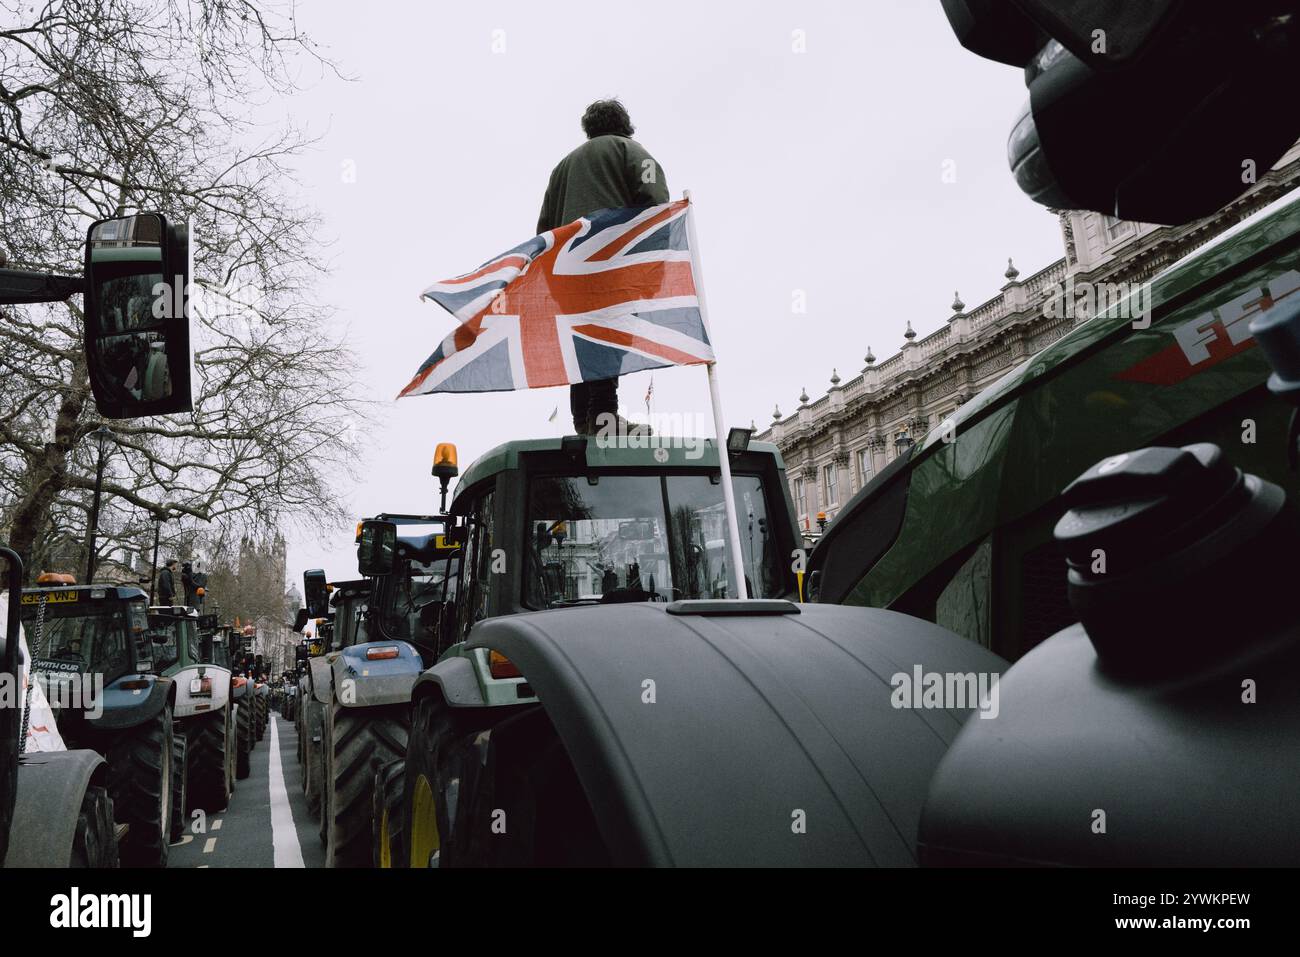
(607, 116)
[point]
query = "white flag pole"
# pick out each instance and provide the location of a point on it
(734, 564)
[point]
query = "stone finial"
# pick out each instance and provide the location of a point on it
(1012, 272)
(871, 357)
(957, 304)
(835, 378)
(910, 334)
(776, 413)
(803, 397)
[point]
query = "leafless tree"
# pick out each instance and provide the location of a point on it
(112, 106)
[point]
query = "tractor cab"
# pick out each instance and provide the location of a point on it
(174, 632)
(350, 602)
(182, 653)
(409, 566)
(99, 630)
(554, 523)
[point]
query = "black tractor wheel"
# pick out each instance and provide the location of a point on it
(362, 740)
(208, 779)
(244, 737)
(260, 726)
(388, 839)
(139, 781)
(180, 786)
(96, 842)
(232, 746)
(325, 753)
(311, 765)
(425, 825)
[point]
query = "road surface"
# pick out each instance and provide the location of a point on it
(266, 824)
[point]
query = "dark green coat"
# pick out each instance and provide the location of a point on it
(603, 173)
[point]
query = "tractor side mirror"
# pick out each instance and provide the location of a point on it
(377, 548)
(317, 595)
(137, 274)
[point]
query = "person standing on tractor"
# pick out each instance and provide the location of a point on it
(608, 171)
(167, 584)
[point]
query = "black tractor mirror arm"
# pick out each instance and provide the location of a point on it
(20, 286)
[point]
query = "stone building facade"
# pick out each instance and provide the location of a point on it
(835, 443)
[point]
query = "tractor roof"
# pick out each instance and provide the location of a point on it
(176, 611)
(123, 592)
(683, 453)
(349, 589)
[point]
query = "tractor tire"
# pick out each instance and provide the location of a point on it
(10, 722)
(139, 782)
(362, 740)
(425, 826)
(95, 844)
(311, 765)
(325, 752)
(208, 778)
(388, 840)
(244, 737)
(261, 717)
(232, 746)
(180, 785)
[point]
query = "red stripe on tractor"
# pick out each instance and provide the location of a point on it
(1169, 366)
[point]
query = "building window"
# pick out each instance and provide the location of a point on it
(1117, 229)
(832, 492)
(800, 505)
(864, 467)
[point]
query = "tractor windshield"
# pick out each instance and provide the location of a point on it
(619, 537)
(408, 601)
(170, 636)
(80, 633)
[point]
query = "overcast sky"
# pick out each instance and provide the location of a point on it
(818, 171)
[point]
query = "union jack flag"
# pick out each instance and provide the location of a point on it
(605, 295)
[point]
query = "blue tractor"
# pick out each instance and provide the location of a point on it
(91, 645)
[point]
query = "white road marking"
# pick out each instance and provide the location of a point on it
(215, 826)
(284, 836)
(210, 845)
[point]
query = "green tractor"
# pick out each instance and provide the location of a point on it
(99, 635)
(562, 529)
(204, 762)
(959, 531)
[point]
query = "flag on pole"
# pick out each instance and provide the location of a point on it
(605, 295)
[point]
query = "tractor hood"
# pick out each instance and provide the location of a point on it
(705, 739)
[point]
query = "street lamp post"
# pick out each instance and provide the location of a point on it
(158, 520)
(103, 436)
